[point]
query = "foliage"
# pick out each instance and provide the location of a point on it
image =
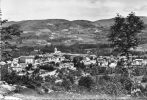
(120, 68)
(66, 75)
(7, 34)
(50, 80)
(37, 57)
(93, 70)
(144, 79)
(113, 88)
(29, 67)
(87, 82)
(124, 33)
(102, 70)
(48, 67)
(98, 49)
(110, 85)
(25, 50)
(10, 31)
(126, 83)
(139, 71)
(12, 78)
(67, 84)
(77, 62)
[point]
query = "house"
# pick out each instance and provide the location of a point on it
(137, 62)
(27, 59)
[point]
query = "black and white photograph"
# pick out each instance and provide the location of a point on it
(73, 49)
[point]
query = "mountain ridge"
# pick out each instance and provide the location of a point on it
(62, 31)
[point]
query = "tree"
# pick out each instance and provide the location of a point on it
(9, 33)
(87, 82)
(124, 33)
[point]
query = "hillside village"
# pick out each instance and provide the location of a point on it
(58, 57)
(53, 68)
(74, 59)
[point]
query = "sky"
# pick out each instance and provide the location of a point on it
(16, 10)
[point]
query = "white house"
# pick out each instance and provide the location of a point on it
(27, 59)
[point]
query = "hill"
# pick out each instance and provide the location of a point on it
(65, 32)
(60, 31)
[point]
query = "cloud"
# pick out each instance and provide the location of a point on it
(70, 9)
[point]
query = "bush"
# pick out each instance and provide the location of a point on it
(36, 57)
(127, 83)
(112, 88)
(139, 71)
(87, 82)
(106, 77)
(12, 78)
(29, 67)
(47, 67)
(144, 78)
(50, 79)
(110, 85)
(66, 84)
(102, 70)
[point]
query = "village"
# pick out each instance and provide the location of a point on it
(21, 62)
(51, 65)
(73, 49)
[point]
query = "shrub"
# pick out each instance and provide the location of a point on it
(18, 89)
(144, 78)
(139, 71)
(106, 77)
(112, 88)
(87, 82)
(127, 83)
(47, 67)
(66, 84)
(50, 79)
(102, 70)
(29, 67)
(110, 85)
(110, 70)
(12, 78)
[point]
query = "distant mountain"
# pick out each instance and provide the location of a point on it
(105, 22)
(61, 31)
(144, 19)
(108, 22)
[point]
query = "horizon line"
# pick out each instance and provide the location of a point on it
(59, 19)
